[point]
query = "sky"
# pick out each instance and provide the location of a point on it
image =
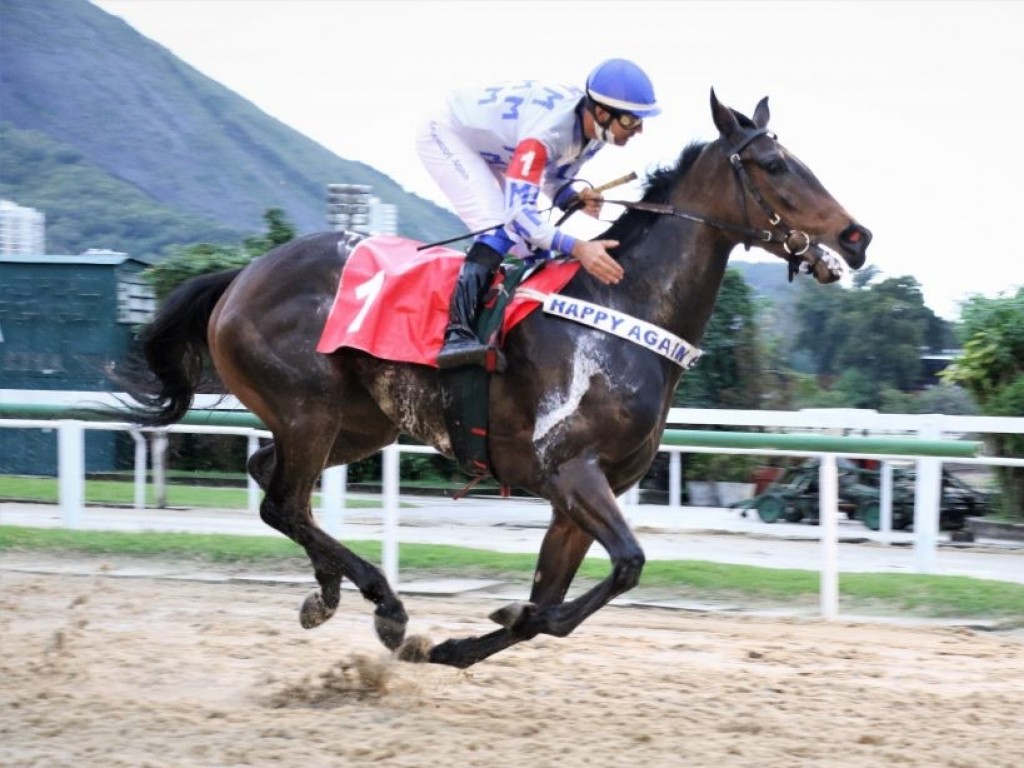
(908, 112)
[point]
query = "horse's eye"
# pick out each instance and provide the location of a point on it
(775, 166)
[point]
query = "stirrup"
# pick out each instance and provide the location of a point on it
(460, 353)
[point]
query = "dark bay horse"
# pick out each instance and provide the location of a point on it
(576, 418)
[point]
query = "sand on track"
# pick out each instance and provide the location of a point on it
(152, 673)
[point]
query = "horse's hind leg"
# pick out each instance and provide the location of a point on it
(261, 338)
(297, 462)
(390, 618)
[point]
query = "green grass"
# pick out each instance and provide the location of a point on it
(44, 489)
(903, 594)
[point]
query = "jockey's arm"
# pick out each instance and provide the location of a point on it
(522, 188)
(523, 180)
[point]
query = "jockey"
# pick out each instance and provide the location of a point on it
(494, 149)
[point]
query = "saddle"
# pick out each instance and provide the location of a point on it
(392, 302)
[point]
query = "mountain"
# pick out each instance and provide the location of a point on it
(125, 146)
(101, 122)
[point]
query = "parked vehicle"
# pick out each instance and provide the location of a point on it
(795, 497)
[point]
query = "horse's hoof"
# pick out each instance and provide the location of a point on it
(390, 631)
(314, 611)
(416, 650)
(513, 614)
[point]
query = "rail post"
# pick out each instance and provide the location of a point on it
(71, 471)
(252, 488)
(158, 449)
(141, 450)
(885, 502)
(389, 481)
(927, 498)
(675, 481)
(828, 515)
(332, 498)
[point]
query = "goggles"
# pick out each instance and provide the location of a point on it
(627, 120)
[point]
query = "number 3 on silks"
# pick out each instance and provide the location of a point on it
(368, 293)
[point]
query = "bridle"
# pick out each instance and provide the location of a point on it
(795, 242)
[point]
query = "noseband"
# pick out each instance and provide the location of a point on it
(795, 242)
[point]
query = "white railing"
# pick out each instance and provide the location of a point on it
(71, 470)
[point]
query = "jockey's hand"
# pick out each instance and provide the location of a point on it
(587, 200)
(593, 255)
(590, 202)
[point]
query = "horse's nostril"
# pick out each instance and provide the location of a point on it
(855, 237)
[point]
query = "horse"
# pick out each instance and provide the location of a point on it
(576, 417)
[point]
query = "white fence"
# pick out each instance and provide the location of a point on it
(71, 467)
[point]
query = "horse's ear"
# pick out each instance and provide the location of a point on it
(725, 120)
(761, 114)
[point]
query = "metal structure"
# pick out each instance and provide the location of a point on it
(348, 207)
(63, 321)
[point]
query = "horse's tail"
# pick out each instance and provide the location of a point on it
(175, 348)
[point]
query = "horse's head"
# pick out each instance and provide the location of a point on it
(796, 218)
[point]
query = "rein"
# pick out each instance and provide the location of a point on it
(778, 234)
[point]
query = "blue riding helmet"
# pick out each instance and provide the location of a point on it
(623, 86)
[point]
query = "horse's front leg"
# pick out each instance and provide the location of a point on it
(563, 549)
(261, 465)
(561, 553)
(581, 489)
(460, 652)
(586, 510)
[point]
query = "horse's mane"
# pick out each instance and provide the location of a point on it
(659, 185)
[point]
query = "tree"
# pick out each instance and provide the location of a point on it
(729, 374)
(943, 398)
(992, 369)
(867, 339)
(884, 331)
(279, 231)
(185, 262)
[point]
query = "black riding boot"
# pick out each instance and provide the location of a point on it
(461, 345)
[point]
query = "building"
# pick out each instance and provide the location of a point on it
(22, 230)
(383, 217)
(933, 364)
(351, 207)
(63, 321)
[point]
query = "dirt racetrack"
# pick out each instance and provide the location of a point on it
(105, 672)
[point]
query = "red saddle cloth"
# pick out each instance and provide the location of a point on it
(392, 299)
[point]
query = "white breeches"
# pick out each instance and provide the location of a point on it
(474, 189)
